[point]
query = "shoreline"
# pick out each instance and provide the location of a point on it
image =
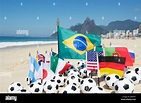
(30, 45)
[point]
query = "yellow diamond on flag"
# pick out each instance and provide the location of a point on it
(79, 43)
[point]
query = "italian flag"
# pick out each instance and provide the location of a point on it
(58, 65)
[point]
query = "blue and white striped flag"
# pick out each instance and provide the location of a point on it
(35, 71)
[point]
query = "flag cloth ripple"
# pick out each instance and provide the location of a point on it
(119, 51)
(58, 65)
(74, 45)
(111, 64)
(92, 61)
(35, 72)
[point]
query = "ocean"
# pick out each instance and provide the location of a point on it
(6, 41)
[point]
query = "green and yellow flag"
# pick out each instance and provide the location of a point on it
(72, 45)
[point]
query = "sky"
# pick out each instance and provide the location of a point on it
(38, 17)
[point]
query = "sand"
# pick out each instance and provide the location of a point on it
(14, 62)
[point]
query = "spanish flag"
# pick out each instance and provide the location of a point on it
(111, 64)
(73, 45)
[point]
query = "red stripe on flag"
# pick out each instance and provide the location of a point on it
(111, 65)
(67, 65)
(47, 61)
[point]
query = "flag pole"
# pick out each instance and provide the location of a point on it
(98, 72)
(57, 24)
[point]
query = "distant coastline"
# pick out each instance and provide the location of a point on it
(8, 42)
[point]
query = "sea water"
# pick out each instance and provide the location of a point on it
(6, 41)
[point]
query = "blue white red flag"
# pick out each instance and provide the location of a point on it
(92, 62)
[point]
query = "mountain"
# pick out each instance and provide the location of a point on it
(122, 25)
(89, 26)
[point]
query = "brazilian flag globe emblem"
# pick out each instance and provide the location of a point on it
(79, 43)
(73, 45)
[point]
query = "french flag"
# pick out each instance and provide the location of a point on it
(132, 55)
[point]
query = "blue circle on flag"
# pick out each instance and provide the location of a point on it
(80, 43)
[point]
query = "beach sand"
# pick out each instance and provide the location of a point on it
(14, 62)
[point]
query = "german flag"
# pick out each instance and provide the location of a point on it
(111, 64)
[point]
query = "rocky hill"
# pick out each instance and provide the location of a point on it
(122, 25)
(89, 26)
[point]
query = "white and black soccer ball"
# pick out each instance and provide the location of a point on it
(97, 89)
(36, 87)
(72, 71)
(14, 87)
(24, 91)
(73, 79)
(71, 88)
(51, 86)
(110, 80)
(84, 73)
(81, 64)
(132, 76)
(123, 85)
(87, 84)
(71, 67)
(59, 79)
(138, 70)
(29, 81)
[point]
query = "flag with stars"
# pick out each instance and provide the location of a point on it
(73, 45)
(92, 62)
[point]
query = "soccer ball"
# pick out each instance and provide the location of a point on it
(123, 85)
(87, 84)
(59, 79)
(73, 79)
(36, 87)
(71, 88)
(97, 89)
(81, 64)
(132, 76)
(72, 71)
(14, 87)
(138, 70)
(71, 67)
(110, 80)
(24, 91)
(29, 81)
(84, 73)
(51, 86)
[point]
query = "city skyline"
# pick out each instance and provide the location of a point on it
(38, 17)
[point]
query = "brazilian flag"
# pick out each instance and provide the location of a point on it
(72, 45)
